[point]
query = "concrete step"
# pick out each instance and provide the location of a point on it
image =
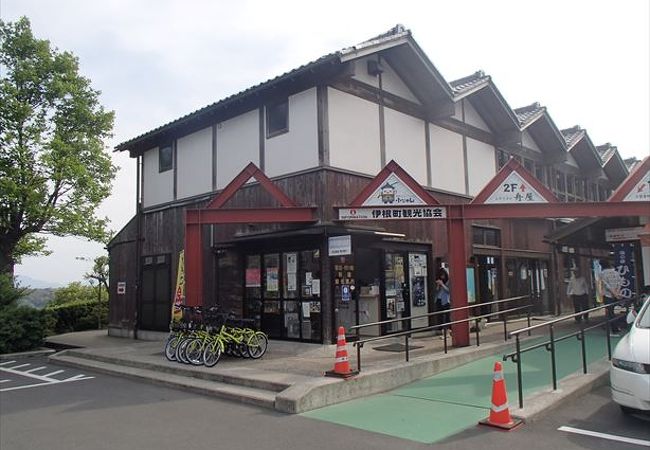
(241, 394)
(247, 377)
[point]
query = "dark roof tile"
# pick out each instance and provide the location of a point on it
(467, 83)
(527, 114)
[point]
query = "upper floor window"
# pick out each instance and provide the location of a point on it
(165, 158)
(486, 236)
(277, 118)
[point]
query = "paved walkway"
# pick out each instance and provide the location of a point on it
(442, 405)
(289, 378)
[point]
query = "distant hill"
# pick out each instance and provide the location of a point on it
(34, 283)
(38, 298)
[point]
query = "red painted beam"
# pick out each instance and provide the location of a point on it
(193, 264)
(549, 210)
(457, 279)
(257, 215)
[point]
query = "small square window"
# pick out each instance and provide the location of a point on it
(165, 158)
(277, 118)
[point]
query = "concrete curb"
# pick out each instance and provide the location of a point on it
(30, 354)
(569, 388)
(302, 397)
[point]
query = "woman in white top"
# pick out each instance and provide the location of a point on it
(578, 290)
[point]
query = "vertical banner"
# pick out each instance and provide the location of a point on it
(624, 264)
(179, 292)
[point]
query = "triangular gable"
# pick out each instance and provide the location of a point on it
(393, 186)
(636, 187)
(513, 184)
(250, 171)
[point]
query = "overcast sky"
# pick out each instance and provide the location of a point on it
(154, 61)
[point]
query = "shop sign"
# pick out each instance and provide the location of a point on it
(121, 287)
(393, 191)
(395, 213)
(624, 263)
(339, 245)
(179, 293)
(640, 192)
(514, 189)
(622, 234)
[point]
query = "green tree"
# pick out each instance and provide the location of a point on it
(54, 168)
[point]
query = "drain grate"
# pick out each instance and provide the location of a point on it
(396, 347)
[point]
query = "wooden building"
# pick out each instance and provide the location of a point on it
(321, 133)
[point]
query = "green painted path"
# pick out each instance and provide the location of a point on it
(435, 408)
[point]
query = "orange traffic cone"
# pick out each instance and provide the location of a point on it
(499, 412)
(341, 363)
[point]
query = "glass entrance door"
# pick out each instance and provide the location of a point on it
(418, 281)
(395, 291)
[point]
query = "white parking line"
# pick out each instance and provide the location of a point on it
(611, 437)
(6, 362)
(47, 375)
(4, 381)
(34, 370)
(28, 386)
(16, 367)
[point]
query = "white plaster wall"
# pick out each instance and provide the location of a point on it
(158, 187)
(529, 142)
(353, 133)
(238, 143)
(570, 160)
(391, 82)
(297, 149)
(447, 166)
(458, 111)
(194, 156)
(481, 163)
(361, 71)
(472, 117)
(406, 143)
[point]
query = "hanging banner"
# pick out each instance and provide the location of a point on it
(624, 263)
(179, 293)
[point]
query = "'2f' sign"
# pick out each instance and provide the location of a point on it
(513, 187)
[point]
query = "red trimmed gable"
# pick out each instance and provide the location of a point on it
(393, 168)
(636, 187)
(497, 185)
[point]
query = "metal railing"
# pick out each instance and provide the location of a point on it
(550, 344)
(411, 331)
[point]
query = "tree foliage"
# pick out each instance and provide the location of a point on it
(54, 170)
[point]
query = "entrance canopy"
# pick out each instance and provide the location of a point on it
(214, 213)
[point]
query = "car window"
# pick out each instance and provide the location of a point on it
(643, 321)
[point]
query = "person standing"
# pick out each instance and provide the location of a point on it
(443, 299)
(578, 290)
(612, 282)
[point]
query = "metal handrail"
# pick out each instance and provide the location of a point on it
(550, 344)
(408, 333)
(421, 316)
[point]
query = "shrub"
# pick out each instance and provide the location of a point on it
(22, 328)
(77, 316)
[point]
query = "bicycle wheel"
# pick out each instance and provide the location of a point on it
(257, 345)
(170, 347)
(194, 352)
(212, 354)
(180, 351)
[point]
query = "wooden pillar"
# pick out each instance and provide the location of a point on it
(457, 274)
(193, 261)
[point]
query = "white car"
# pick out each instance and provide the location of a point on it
(630, 370)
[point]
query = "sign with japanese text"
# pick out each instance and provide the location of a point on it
(514, 189)
(623, 234)
(641, 191)
(339, 245)
(179, 293)
(624, 264)
(393, 192)
(398, 213)
(121, 287)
